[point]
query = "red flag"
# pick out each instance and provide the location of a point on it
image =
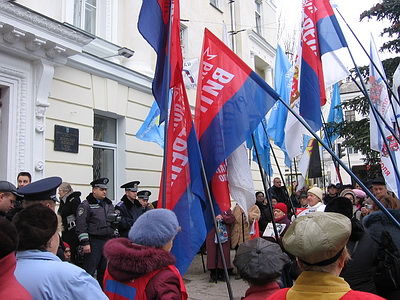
(184, 191)
(256, 230)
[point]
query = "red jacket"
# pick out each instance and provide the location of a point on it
(146, 272)
(261, 292)
(10, 288)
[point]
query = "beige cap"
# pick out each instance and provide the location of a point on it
(316, 191)
(318, 238)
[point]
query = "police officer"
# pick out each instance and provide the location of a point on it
(143, 197)
(94, 227)
(8, 197)
(129, 208)
(43, 191)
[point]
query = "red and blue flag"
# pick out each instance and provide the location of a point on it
(184, 189)
(154, 22)
(231, 101)
(323, 49)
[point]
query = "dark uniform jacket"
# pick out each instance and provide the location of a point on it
(129, 212)
(91, 219)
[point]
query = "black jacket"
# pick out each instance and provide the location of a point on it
(359, 271)
(129, 212)
(67, 211)
(91, 219)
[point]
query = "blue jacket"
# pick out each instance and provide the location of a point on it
(45, 276)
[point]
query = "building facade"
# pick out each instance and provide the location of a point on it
(75, 82)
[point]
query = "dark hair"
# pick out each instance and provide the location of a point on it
(25, 174)
(257, 193)
(36, 224)
(8, 237)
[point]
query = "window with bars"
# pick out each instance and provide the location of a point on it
(349, 115)
(105, 150)
(85, 12)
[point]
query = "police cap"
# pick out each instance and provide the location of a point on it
(144, 194)
(131, 186)
(43, 189)
(100, 183)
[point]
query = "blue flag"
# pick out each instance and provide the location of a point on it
(263, 147)
(283, 84)
(335, 115)
(151, 129)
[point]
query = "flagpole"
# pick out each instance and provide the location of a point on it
(166, 87)
(295, 169)
(380, 73)
(283, 179)
(279, 169)
(392, 131)
(328, 139)
(352, 175)
(221, 250)
(266, 191)
(373, 63)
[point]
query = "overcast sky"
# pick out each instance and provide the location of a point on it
(351, 10)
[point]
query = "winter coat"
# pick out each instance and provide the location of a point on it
(128, 261)
(261, 292)
(10, 288)
(240, 229)
(45, 276)
(91, 219)
(67, 210)
(265, 218)
(375, 223)
(212, 248)
(283, 220)
(279, 192)
(129, 212)
(359, 270)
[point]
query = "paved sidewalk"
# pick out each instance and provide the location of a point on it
(198, 287)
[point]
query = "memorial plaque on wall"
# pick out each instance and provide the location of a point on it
(66, 139)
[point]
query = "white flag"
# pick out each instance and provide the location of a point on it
(380, 100)
(240, 179)
(294, 130)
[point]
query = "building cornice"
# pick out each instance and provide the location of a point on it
(37, 37)
(101, 67)
(261, 42)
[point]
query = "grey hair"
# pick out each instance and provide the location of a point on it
(65, 186)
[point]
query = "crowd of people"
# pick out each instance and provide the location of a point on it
(338, 244)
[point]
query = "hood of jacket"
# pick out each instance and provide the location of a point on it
(73, 195)
(357, 230)
(127, 261)
(380, 217)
